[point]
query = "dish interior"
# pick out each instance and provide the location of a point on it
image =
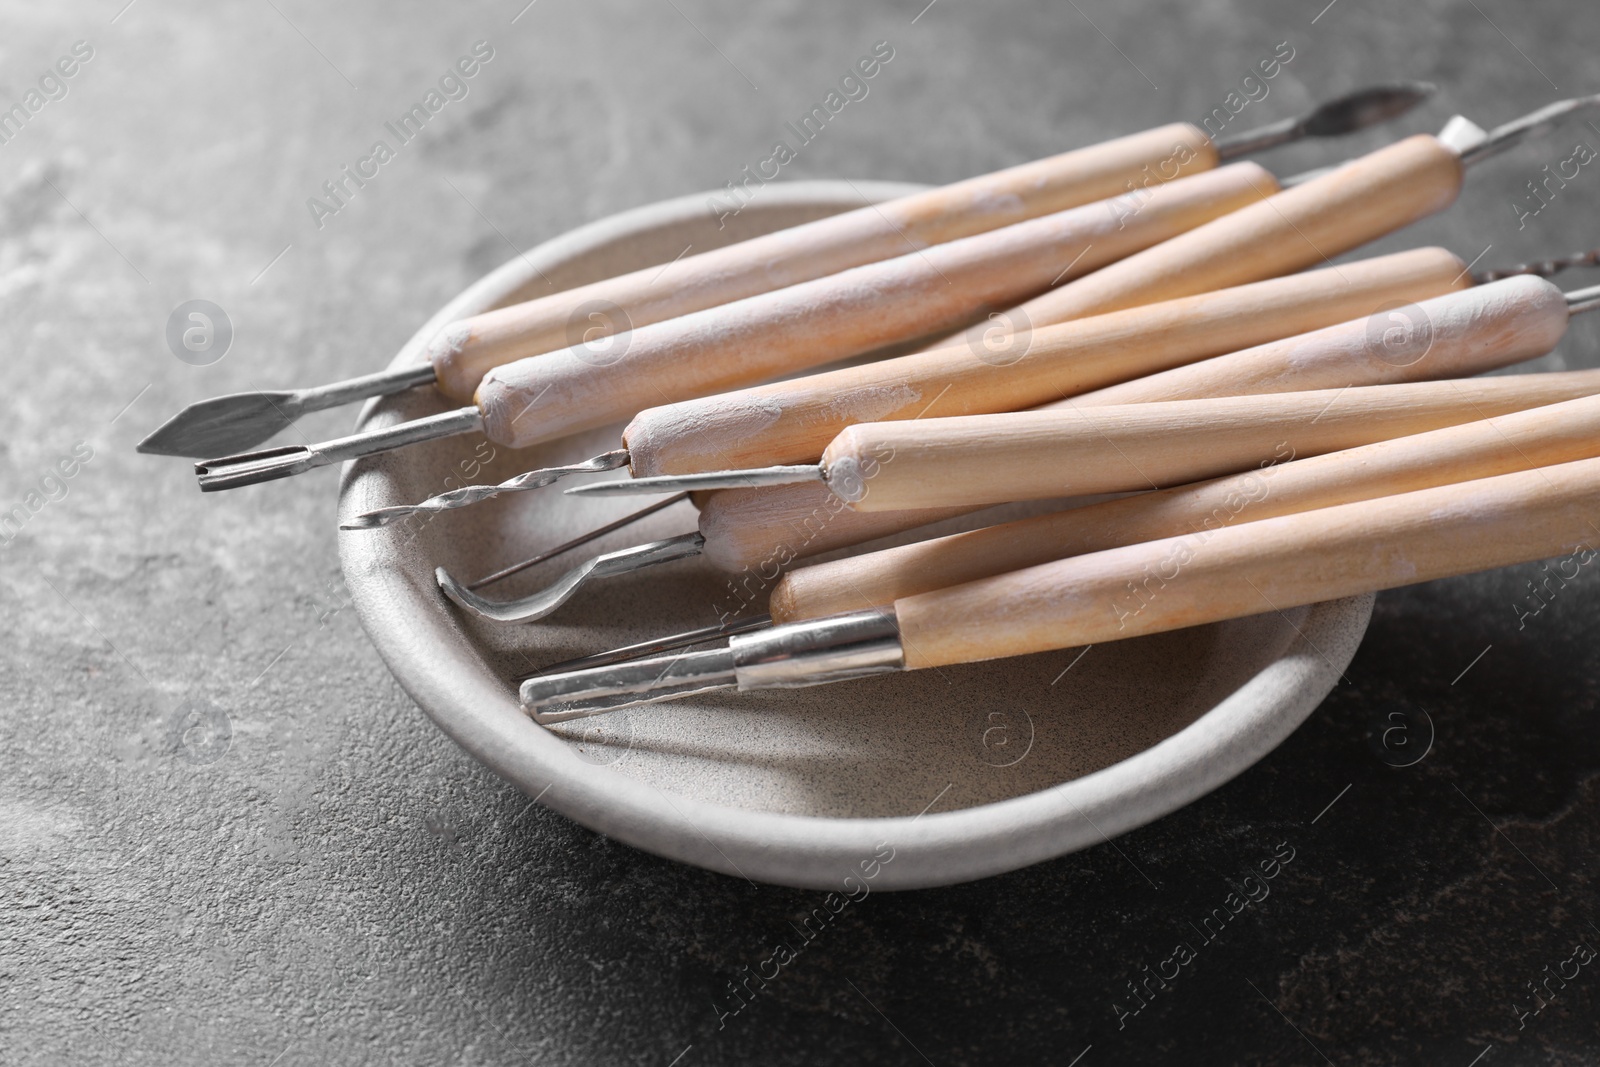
(877, 747)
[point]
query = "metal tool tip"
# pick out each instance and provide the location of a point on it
(221, 425)
(576, 694)
(231, 472)
(1367, 107)
(376, 519)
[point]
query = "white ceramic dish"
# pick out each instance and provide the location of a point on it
(961, 773)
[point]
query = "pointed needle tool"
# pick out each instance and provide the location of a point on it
(643, 649)
(464, 351)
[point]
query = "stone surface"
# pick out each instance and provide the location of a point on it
(225, 835)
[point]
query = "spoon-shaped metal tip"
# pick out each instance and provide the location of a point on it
(221, 425)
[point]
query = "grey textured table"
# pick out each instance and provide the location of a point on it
(227, 837)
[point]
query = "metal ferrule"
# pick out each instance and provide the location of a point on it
(834, 649)
(1581, 300)
(818, 651)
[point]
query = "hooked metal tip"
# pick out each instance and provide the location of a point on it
(539, 605)
(688, 483)
(473, 494)
(1332, 118)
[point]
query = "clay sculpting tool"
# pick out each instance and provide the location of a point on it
(1271, 565)
(464, 351)
(789, 329)
(793, 421)
(559, 393)
(762, 530)
(1521, 440)
(1045, 455)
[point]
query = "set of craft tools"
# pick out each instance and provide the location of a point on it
(1153, 317)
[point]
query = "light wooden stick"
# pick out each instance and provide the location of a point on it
(1296, 228)
(747, 528)
(839, 316)
(1515, 319)
(1555, 433)
(1273, 565)
(465, 351)
(793, 421)
(562, 392)
(1039, 455)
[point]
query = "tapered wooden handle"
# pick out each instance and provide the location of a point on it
(1451, 336)
(465, 351)
(1522, 440)
(723, 514)
(1007, 367)
(1299, 227)
(757, 533)
(1273, 565)
(993, 459)
(838, 316)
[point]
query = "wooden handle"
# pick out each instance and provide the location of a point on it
(835, 317)
(1299, 227)
(757, 533)
(1271, 565)
(465, 351)
(1212, 377)
(1451, 336)
(793, 421)
(1037, 455)
(1556, 433)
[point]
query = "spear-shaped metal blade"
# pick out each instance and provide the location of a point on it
(223, 425)
(1334, 118)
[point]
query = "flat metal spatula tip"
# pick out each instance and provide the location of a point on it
(221, 425)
